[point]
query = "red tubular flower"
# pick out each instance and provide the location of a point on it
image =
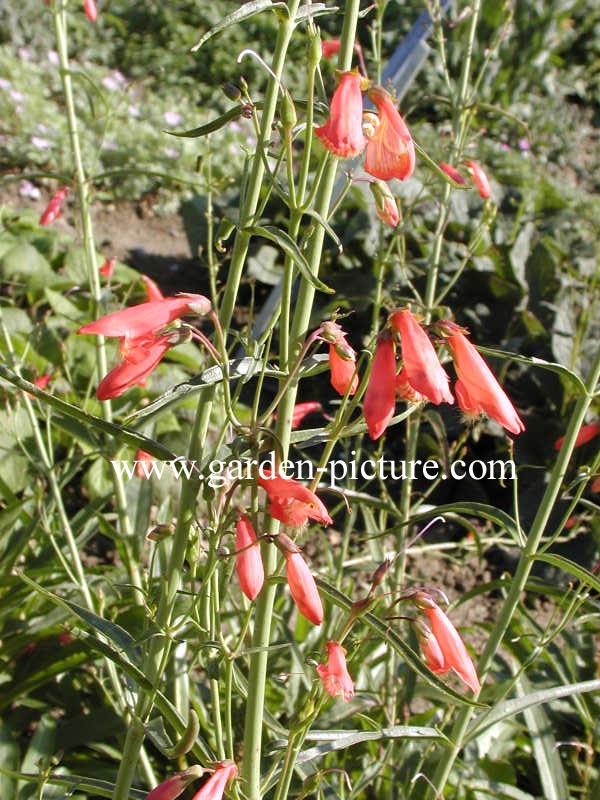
(43, 380)
(89, 6)
(380, 397)
(137, 322)
(302, 410)
(342, 359)
(421, 366)
(452, 172)
(107, 269)
(480, 179)
(303, 588)
(453, 650)
(432, 652)
(248, 562)
(174, 786)
(53, 210)
(342, 133)
(140, 356)
(290, 501)
(215, 786)
(585, 435)
(330, 47)
(152, 290)
(142, 462)
(477, 390)
(337, 681)
(390, 150)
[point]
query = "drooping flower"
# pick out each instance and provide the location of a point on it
(174, 786)
(290, 502)
(453, 651)
(248, 561)
(386, 207)
(145, 319)
(143, 460)
(153, 293)
(337, 681)
(480, 179)
(477, 390)
(390, 150)
(380, 397)
(107, 269)
(214, 787)
(421, 366)
(452, 172)
(585, 435)
(342, 133)
(432, 652)
(139, 357)
(330, 47)
(342, 359)
(54, 208)
(303, 587)
(89, 6)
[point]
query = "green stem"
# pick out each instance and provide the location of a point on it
(521, 576)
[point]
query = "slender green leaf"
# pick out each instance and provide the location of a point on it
(510, 708)
(212, 126)
(74, 782)
(291, 249)
(533, 361)
(480, 511)
(246, 11)
(340, 740)
(584, 575)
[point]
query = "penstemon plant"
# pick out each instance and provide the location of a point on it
(243, 651)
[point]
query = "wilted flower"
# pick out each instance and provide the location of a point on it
(248, 561)
(215, 786)
(335, 676)
(53, 210)
(421, 366)
(477, 390)
(342, 133)
(390, 150)
(342, 359)
(585, 435)
(380, 397)
(290, 502)
(480, 179)
(454, 655)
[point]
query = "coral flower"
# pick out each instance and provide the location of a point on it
(390, 150)
(174, 786)
(330, 47)
(89, 6)
(290, 502)
(432, 652)
(140, 356)
(585, 435)
(107, 269)
(421, 365)
(43, 380)
(215, 786)
(143, 460)
(342, 133)
(342, 359)
(335, 676)
(477, 390)
(303, 587)
(452, 172)
(302, 410)
(54, 208)
(146, 319)
(480, 179)
(380, 397)
(453, 650)
(248, 561)
(152, 290)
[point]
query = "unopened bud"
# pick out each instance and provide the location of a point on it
(288, 112)
(285, 544)
(160, 532)
(385, 203)
(380, 573)
(231, 90)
